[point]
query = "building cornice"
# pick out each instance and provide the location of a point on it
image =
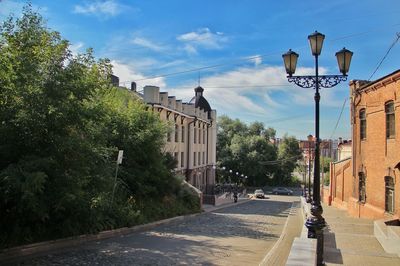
(179, 113)
(384, 81)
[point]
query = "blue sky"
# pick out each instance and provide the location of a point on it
(236, 48)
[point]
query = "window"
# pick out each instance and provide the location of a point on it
(199, 135)
(176, 158)
(204, 136)
(194, 158)
(389, 194)
(204, 155)
(361, 187)
(183, 134)
(390, 126)
(182, 159)
(199, 158)
(176, 133)
(194, 135)
(363, 125)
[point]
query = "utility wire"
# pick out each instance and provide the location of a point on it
(337, 122)
(248, 58)
(275, 162)
(388, 51)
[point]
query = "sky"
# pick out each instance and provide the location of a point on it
(233, 49)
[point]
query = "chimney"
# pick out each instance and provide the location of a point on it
(133, 86)
(340, 140)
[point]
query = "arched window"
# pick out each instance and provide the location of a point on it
(363, 125)
(390, 120)
(389, 194)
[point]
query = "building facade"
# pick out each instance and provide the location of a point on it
(192, 138)
(371, 178)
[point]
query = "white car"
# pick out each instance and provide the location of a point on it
(259, 194)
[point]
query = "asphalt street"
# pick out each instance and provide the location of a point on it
(237, 235)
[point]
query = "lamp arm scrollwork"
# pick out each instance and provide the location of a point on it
(324, 81)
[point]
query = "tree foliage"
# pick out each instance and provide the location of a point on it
(61, 126)
(249, 150)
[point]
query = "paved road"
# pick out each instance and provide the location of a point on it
(237, 235)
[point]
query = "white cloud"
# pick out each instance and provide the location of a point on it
(249, 91)
(127, 73)
(147, 44)
(202, 38)
(8, 7)
(241, 90)
(255, 59)
(108, 8)
(76, 48)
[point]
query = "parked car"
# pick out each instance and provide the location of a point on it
(259, 193)
(282, 191)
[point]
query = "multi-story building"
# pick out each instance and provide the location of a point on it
(192, 139)
(328, 148)
(369, 182)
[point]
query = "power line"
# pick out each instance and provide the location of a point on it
(340, 115)
(384, 57)
(247, 59)
(275, 162)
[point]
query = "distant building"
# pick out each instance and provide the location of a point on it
(367, 185)
(328, 148)
(193, 135)
(344, 149)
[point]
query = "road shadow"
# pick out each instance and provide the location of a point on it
(252, 219)
(207, 239)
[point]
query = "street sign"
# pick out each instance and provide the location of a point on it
(120, 155)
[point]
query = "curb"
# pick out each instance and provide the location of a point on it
(11, 255)
(272, 250)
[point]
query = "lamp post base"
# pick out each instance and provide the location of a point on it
(315, 225)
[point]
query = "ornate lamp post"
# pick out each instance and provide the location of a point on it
(309, 138)
(315, 223)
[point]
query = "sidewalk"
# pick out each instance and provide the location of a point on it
(351, 241)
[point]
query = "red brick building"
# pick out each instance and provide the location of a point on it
(368, 184)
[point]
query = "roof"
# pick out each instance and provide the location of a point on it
(369, 84)
(199, 100)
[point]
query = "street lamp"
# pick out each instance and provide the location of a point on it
(309, 138)
(315, 223)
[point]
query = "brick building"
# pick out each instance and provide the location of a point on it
(368, 184)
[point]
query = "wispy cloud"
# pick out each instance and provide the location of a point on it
(147, 44)
(255, 59)
(202, 38)
(7, 7)
(108, 8)
(126, 73)
(76, 48)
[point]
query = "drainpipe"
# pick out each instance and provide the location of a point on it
(188, 146)
(208, 136)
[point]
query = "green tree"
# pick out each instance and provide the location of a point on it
(244, 149)
(61, 126)
(288, 155)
